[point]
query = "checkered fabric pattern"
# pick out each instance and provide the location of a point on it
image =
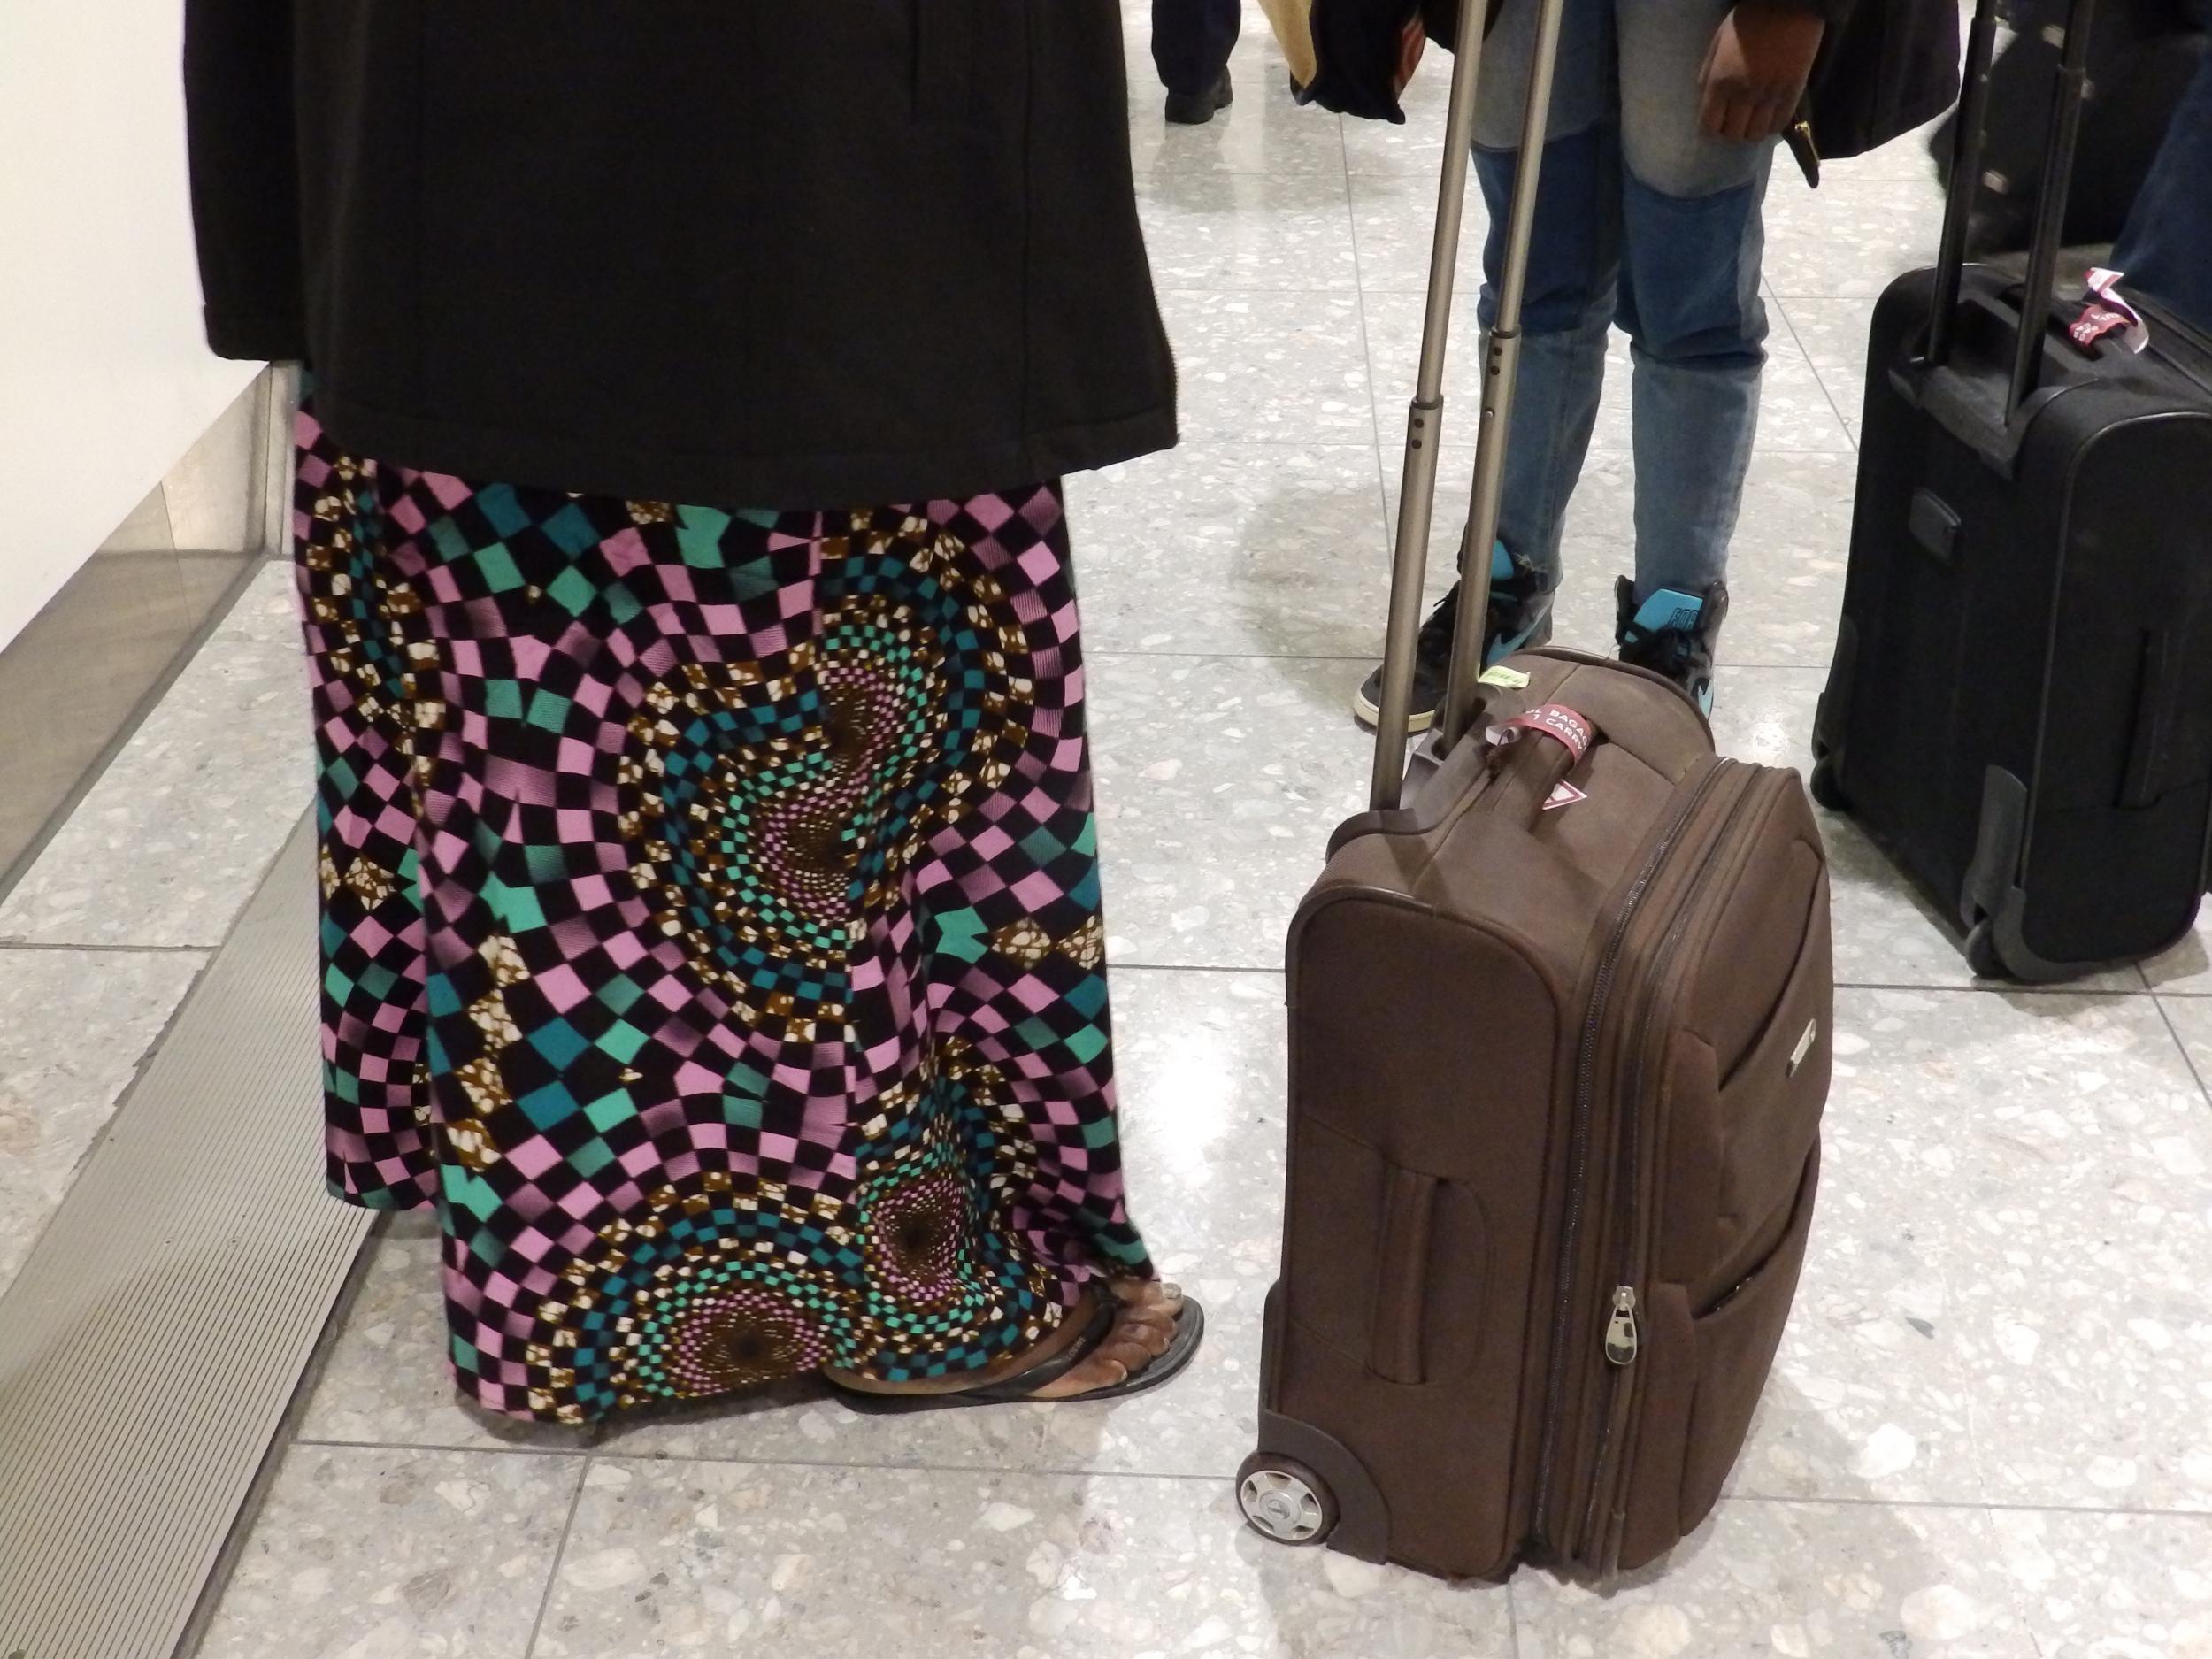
(711, 927)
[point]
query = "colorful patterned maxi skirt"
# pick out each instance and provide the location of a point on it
(711, 927)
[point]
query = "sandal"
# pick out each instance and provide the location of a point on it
(1021, 1387)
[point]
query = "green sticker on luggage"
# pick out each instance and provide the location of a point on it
(1505, 679)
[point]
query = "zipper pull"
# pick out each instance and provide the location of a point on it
(1621, 1341)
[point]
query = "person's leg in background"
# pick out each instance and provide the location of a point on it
(1689, 302)
(2166, 249)
(1574, 257)
(1191, 43)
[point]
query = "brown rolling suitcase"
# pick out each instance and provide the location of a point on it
(1559, 1049)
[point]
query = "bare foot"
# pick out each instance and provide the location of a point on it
(1143, 1326)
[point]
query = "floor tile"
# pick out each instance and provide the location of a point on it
(2111, 1587)
(384, 1380)
(1850, 238)
(175, 836)
(1263, 550)
(715, 1559)
(2051, 1154)
(1811, 1581)
(366, 1553)
(1202, 1090)
(2192, 1020)
(2185, 969)
(1273, 366)
(1220, 780)
(1833, 333)
(1393, 222)
(1263, 131)
(1247, 230)
(73, 1026)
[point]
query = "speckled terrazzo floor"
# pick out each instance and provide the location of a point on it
(1988, 1435)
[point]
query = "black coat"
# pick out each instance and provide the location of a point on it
(1886, 66)
(778, 253)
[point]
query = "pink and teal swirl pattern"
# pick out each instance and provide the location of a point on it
(711, 927)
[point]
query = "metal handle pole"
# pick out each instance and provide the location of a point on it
(1968, 131)
(1500, 370)
(2050, 205)
(1417, 492)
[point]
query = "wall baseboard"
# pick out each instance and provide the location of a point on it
(77, 681)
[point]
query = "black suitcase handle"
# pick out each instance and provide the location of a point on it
(2069, 96)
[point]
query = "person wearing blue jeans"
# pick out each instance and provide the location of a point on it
(1663, 120)
(2165, 251)
(1191, 43)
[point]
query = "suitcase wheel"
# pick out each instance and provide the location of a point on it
(1981, 952)
(1284, 1500)
(1827, 788)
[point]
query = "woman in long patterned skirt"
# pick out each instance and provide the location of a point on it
(711, 903)
(710, 926)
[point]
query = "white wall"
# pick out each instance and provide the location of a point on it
(103, 380)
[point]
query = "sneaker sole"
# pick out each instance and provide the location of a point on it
(1371, 716)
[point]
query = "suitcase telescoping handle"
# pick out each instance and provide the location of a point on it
(1417, 496)
(2071, 93)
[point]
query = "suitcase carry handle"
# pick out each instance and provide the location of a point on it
(1417, 496)
(2069, 96)
(1529, 770)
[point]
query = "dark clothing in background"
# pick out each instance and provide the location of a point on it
(1886, 67)
(2166, 251)
(1192, 41)
(780, 255)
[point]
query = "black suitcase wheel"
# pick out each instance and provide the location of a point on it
(1827, 790)
(1284, 1500)
(1981, 952)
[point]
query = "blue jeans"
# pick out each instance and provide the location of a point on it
(2166, 249)
(1192, 39)
(1645, 222)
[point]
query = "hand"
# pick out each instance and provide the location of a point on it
(1757, 68)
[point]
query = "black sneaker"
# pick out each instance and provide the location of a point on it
(1520, 616)
(1673, 633)
(1195, 109)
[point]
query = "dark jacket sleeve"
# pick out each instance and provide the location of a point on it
(245, 175)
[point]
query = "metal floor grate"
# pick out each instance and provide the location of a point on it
(152, 1342)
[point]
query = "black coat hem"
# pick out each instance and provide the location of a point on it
(781, 482)
(271, 338)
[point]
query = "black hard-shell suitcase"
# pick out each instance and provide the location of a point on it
(2020, 707)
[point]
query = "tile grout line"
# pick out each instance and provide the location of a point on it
(2188, 1059)
(109, 950)
(1843, 421)
(1184, 1476)
(560, 1554)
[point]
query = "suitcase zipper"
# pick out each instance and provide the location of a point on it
(1585, 1091)
(1607, 1471)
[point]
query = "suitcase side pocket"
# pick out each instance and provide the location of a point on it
(1399, 1238)
(1708, 1372)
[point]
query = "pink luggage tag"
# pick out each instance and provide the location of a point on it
(1556, 721)
(2106, 316)
(1564, 727)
